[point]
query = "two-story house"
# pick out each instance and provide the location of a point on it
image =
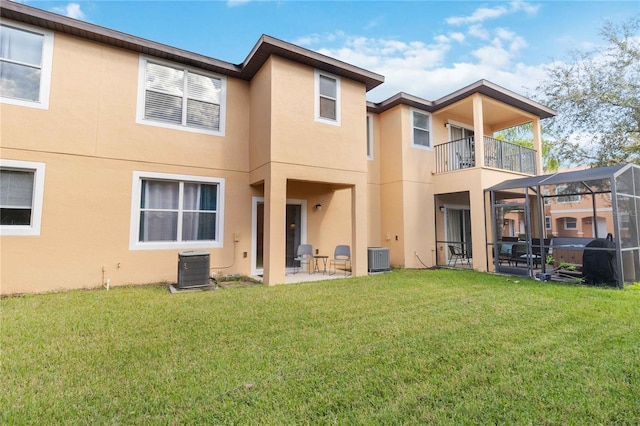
(119, 153)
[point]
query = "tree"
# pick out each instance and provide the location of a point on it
(597, 97)
(523, 135)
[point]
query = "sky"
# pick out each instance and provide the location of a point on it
(425, 48)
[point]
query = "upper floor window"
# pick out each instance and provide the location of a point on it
(369, 137)
(25, 65)
(547, 222)
(569, 198)
(327, 103)
(21, 193)
(421, 125)
(176, 211)
(177, 97)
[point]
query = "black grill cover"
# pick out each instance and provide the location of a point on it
(599, 266)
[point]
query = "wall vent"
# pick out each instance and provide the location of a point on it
(379, 259)
(193, 269)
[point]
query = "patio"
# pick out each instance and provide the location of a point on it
(303, 277)
(605, 200)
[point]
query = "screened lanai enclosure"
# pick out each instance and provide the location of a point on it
(578, 226)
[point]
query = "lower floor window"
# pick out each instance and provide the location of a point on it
(181, 211)
(16, 191)
(21, 191)
(570, 223)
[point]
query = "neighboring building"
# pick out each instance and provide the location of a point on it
(569, 213)
(118, 153)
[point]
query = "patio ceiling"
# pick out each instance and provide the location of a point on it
(496, 115)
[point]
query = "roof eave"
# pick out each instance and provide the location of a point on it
(483, 87)
(62, 24)
(268, 46)
(265, 47)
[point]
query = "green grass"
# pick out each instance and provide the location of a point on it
(410, 347)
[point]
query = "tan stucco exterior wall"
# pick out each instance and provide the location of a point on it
(272, 147)
(331, 159)
(91, 145)
(374, 214)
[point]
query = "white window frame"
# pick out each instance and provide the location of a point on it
(452, 123)
(136, 190)
(38, 170)
(318, 118)
(369, 137)
(45, 68)
(566, 224)
(547, 223)
(430, 130)
(140, 119)
(569, 199)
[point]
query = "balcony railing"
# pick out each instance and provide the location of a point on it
(460, 154)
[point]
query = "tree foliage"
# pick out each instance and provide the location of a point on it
(597, 97)
(523, 135)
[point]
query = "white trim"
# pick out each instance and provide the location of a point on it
(142, 69)
(570, 229)
(316, 79)
(134, 227)
(37, 200)
(603, 209)
(254, 228)
(450, 123)
(370, 142)
(45, 69)
(560, 195)
(430, 130)
(548, 226)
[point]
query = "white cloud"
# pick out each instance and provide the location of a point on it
(72, 10)
(492, 56)
(485, 13)
(459, 37)
(422, 69)
(516, 43)
(374, 23)
(479, 31)
(528, 8)
(479, 15)
(504, 33)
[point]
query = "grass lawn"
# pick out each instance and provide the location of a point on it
(410, 347)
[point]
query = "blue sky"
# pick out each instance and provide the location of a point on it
(425, 48)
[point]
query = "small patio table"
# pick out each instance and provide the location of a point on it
(316, 266)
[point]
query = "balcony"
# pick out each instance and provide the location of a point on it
(498, 154)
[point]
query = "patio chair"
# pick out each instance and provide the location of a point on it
(303, 255)
(456, 254)
(464, 162)
(341, 255)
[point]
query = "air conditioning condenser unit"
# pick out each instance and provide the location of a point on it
(379, 259)
(193, 269)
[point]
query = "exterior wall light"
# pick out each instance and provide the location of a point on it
(318, 207)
